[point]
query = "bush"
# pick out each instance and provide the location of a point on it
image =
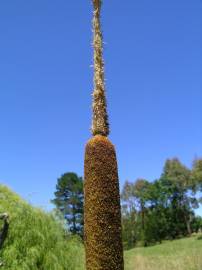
(36, 240)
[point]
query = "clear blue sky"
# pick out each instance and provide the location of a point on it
(152, 56)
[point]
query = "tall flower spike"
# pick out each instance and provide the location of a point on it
(100, 124)
(102, 211)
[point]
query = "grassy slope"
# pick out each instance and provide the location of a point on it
(183, 254)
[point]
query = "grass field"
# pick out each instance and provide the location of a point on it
(183, 254)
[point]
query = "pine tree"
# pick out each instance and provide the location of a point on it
(102, 214)
(69, 201)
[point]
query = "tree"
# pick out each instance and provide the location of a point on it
(197, 224)
(69, 200)
(129, 216)
(164, 208)
(102, 213)
(140, 192)
(156, 219)
(176, 179)
(127, 196)
(136, 218)
(196, 174)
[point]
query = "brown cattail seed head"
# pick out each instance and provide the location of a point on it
(102, 215)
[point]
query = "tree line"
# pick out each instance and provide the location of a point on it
(164, 208)
(151, 211)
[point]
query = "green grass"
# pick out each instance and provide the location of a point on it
(183, 254)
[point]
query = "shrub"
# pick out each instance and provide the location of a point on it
(36, 240)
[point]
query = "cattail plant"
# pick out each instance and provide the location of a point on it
(102, 214)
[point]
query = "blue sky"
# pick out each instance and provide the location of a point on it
(152, 57)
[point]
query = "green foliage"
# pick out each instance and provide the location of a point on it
(196, 174)
(129, 227)
(134, 195)
(69, 201)
(35, 239)
(163, 208)
(176, 179)
(197, 224)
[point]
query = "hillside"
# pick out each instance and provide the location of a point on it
(35, 239)
(183, 254)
